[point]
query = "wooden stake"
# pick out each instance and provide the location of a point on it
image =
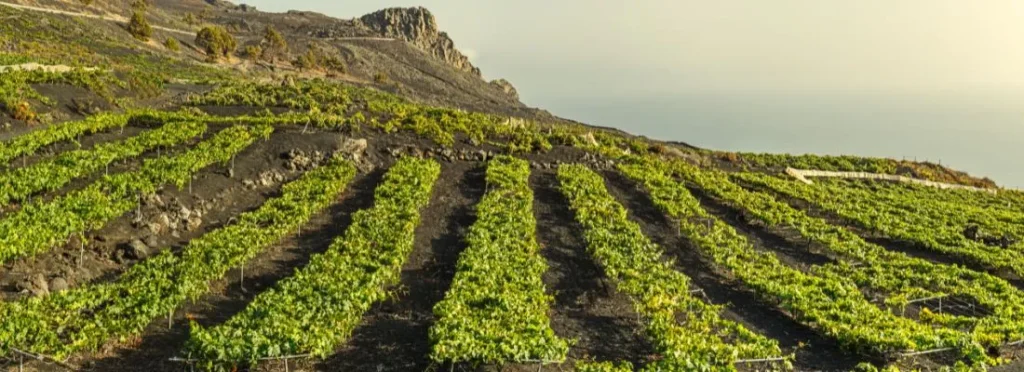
(81, 252)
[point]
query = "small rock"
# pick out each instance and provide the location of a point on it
(184, 213)
(118, 256)
(298, 160)
(354, 147)
(35, 284)
(58, 284)
(161, 223)
(136, 250)
(481, 155)
(193, 223)
(152, 241)
(153, 200)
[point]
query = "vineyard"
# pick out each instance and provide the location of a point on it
(298, 224)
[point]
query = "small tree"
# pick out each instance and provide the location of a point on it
(216, 41)
(139, 27)
(274, 46)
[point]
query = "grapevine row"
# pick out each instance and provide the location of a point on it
(28, 143)
(52, 174)
(38, 226)
(902, 278)
(833, 306)
(689, 333)
(497, 310)
(85, 318)
(318, 307)
(950, 209)
(927, 229)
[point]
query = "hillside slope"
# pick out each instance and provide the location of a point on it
(371, 204)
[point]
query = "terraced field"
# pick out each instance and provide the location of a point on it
(320, 226)
(160, 212)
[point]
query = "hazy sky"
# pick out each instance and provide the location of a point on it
(926, 79)
(620, 47)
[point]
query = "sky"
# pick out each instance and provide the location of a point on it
(784, 67)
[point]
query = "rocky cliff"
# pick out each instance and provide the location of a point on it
(418, 27)
(506, 87)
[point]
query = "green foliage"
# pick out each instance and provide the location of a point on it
(191, 19)
(496, 310)
(659, 293)
(603, 367)
(16, 88)
(253, 52)
(38, 226)
(216, 41)
(139, 27)
(28, 144)
(899, 276)
(834, 306)
(317, 308)
(382, 78)
(172, 44)
(912, 217)
(316, 58)
(86, 317)
(52, 174)
(274, 45)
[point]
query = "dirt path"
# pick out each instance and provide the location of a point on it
(802, 175)
(394, 335)
(587, 306)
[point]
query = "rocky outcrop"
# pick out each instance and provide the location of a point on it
(506, 87)
(418, 27)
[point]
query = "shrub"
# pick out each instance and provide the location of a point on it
(316, 58)
(190, 19)
(172, 44)
(140, 5)
(216, 41)
(306, 61)
(22, 111)
(139, 27)
(253, 52)
(382, 78)
(274, 45)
